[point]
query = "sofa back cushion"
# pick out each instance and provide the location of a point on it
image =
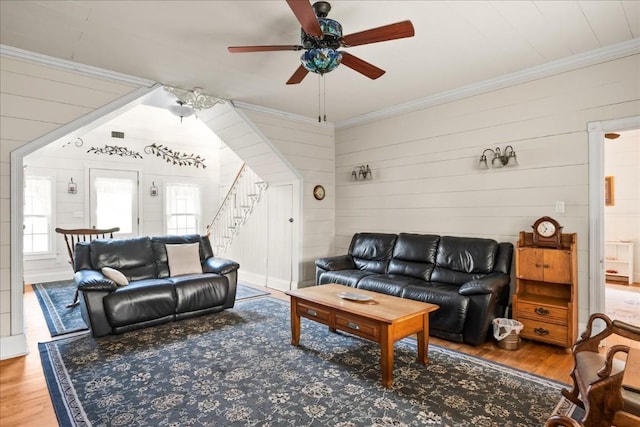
(414, 255)
(132, 257)
(372, 251)
(461, 259)
(160, 251)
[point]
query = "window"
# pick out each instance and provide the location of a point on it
(183, 208)
(38, 221)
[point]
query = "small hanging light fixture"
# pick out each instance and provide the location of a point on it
(181, 110)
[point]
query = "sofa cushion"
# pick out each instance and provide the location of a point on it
(199, 291)
(184, 259)
(142, 300)
(133, 257)
(344, 277)
(390, 284)
(414, 255)
(372, 251)
(160, 251)
(461, 259)
(451, 315)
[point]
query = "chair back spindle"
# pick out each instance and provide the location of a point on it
(73, 236)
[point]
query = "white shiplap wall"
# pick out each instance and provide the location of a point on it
(36, 100)
(425, 174)
(309, 148)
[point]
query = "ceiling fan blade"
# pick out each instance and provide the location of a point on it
(361, 66)
(398, 30)
(239, 49)
(297, 77)
(306, 16)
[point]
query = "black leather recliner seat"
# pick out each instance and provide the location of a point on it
(467, 277)
(152, 296)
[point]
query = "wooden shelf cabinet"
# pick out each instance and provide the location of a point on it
(618, 260)
(546, 297)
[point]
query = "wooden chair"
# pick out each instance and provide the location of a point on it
(73, 236)
(597, 379)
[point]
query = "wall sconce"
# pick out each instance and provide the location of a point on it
(153, 191)
(499, 158)
(72, 187)
(361, 172)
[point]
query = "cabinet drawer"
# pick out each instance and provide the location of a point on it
(358, 327)
(543, 331)
(315, 313)
(542, 312)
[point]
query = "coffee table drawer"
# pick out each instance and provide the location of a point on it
(357, 326)
(312, 312)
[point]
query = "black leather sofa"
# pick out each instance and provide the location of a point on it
(152, 296)
(469, 278)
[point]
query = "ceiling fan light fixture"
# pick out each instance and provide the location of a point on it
(321, 61)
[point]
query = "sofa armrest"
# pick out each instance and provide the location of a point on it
(489, 284)
(340, 262)
(219, 265)
(93, 280)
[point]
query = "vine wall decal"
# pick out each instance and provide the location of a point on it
(115, 150)
(175, 157)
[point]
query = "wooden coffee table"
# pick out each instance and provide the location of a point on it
(384, 319)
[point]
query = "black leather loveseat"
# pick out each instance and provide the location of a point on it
(467, 277)
(152, 295)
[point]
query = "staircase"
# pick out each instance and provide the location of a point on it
(238, 204)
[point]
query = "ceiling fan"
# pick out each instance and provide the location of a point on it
(321, 38)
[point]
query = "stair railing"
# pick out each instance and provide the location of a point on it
(245, 191)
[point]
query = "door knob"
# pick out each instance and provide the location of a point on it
(290, 219)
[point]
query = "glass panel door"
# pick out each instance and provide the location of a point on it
(114, 200)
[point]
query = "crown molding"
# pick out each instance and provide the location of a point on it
(38, 58)
(596, 56)
(279, 113)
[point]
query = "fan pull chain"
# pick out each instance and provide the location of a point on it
(319, 97)
(324, 99)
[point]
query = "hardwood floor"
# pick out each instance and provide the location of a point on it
(24, 398)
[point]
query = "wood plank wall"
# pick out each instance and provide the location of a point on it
(425, 163)
(309, 148)
(36, 100)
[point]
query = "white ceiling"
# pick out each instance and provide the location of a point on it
(183, 44)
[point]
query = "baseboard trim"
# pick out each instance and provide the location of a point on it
(32, 277)
(13, 346)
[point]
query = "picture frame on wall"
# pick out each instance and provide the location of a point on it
(608, 191)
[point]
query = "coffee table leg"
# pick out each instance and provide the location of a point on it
(386, 357)
(295, 323)
(423, 341)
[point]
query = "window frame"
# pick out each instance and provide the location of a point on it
(167, 200)
(51, 251)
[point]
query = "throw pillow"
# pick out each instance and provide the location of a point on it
(184, 259)
(115, 275)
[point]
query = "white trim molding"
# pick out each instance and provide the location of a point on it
(596, 56)
(596, 132)
(17, 209)
(25, 55)
(13, 346)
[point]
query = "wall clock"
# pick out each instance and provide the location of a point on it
(318, 192)
(547, 232)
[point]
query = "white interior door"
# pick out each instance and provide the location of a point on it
(113, 197)
(280, 237)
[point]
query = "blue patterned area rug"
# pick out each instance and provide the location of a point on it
(54, 297)
(238, 368)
